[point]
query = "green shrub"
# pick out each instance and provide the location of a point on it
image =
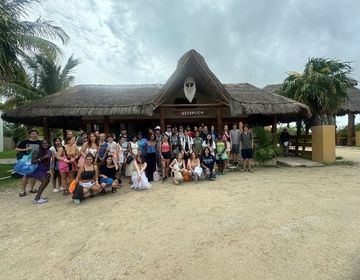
(265, 149)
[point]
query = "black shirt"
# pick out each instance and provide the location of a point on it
(108, 172)
(208, 161)
(35, 146)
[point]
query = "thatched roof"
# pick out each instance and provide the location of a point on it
(71, 105)
(89, 100)
(352, 105)
(193, 64)
(252, 100)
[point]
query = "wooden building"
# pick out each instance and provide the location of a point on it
(135, 107)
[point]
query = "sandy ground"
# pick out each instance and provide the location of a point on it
(277, 223)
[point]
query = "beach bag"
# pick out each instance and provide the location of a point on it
(186, 176)
(72, 186)
(24, 166)
(156, 176)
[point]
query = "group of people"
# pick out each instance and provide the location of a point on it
(90, 163)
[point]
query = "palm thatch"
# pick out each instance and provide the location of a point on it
(251, 100)
(351, 105)
(89, 100)
(193, 64)
(131, 101)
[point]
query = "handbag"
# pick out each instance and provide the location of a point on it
(129, 159)
(186, 176)
(156, 176)
(24, 166)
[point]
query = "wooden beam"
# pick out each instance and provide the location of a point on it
(46, 129)
(350, 129)
(274, 128)
(162, 120)
(191, 105)
(218, 118)
(106, 125)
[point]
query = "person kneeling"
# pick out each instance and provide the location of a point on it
(177, 166)
(208, 164)
(86, 180)
(139, 179)
(107, 177)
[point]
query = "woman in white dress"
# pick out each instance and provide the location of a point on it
(133, 151)
(139, 179)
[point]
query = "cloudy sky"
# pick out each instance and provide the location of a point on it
(254, 41)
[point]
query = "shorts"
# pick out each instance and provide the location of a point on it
(235, 149)
(247, 153)
(107, 181)
(166, 155)
(87, 185)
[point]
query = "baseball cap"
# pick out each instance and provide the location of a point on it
(157, 128)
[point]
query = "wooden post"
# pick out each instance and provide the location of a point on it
(274, 129)
(350, 129)
(46, 129)
(106, 125)
(162, 120)
(218, 119)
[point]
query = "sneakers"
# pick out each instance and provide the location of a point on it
(77, 201)
(22, 194)
(61, 189)
(39, 201)
(56, 190)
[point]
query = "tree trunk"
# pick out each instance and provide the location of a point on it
(298, 133)
(307, 128)
(323, 119)
(350, 129)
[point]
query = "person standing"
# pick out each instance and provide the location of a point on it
(221, 156)
(165, 152)
(150, 149)
(67, 156)
(32, 144)
(54, 165)
(42, 172)
(246, 146)
(102, 148)
(142, 141)
(158, 140)
(235, 143)
(198, 141)
(174, 140)
(186, 145)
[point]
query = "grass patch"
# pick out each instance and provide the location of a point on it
(339, 158)
(8, 154)
(5, 170)
(342, 163)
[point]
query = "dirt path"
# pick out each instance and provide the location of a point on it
(277, 223)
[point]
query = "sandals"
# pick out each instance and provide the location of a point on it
(22, 194)
(33, 191)
(113, 190)
(65, 193)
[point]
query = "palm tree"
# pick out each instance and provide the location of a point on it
(44, 77)
(51, 77)
(18, 38)
(322, 86)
